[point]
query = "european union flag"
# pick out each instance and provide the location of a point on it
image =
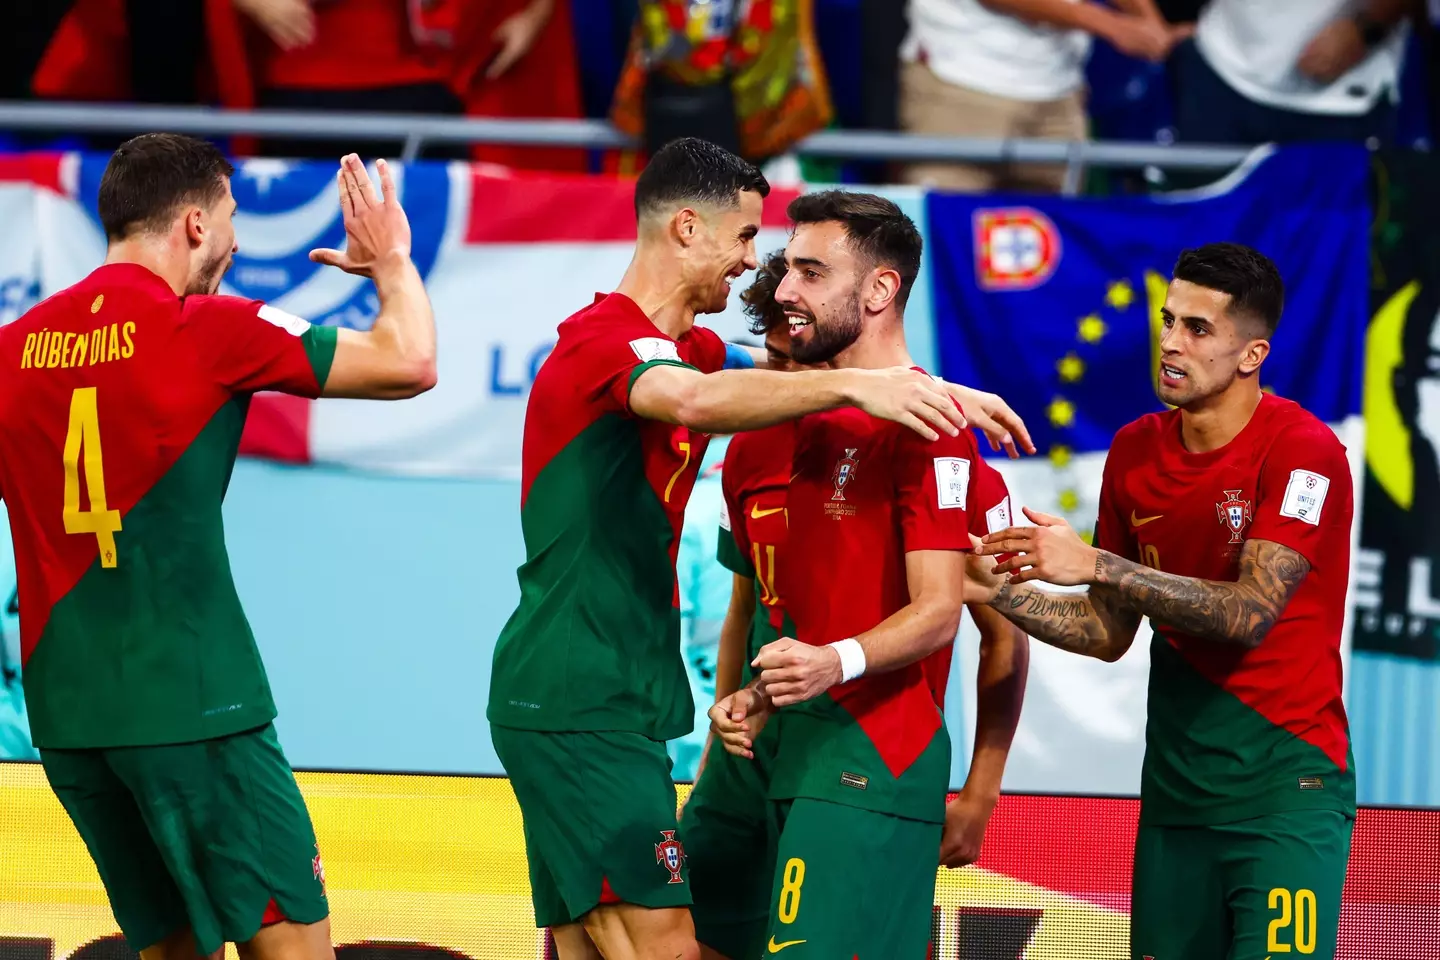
(1054, 302)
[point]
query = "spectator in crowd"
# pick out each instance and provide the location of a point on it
(1291, 70)
(1010, 69)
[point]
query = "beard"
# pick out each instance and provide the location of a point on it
(207, 279)
(827, 339)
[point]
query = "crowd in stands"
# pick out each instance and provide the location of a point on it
(758, 75)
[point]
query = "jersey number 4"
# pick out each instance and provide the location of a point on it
(82, 441)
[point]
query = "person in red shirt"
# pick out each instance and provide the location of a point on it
(148, 700)
(878, 533)
(727, 817)
(1227, 521)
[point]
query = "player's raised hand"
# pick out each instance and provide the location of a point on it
(376, 228)
(982, 583)
(793, 672)
(1051, 551)
(907, 397)
(1001, 425)
(738, 719)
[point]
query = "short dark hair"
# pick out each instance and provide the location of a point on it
(690, 170)
(151, 176)
(759, 298)
(1256, 289)
(878, 230)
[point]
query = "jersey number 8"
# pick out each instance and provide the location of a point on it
(83, 439)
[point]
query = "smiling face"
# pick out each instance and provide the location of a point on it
(1205, 349)
(821, 292)
(722, 248)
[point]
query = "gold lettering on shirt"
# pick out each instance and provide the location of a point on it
(57, 350)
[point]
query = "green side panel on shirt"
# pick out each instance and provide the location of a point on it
(641, 368)
(823, 751)
(1210, 758)
(727, 551)
(320, 348)
(156, 649)
(595, 641)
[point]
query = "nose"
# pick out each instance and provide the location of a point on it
(751, 261)
(1170, 340)
(785, 293)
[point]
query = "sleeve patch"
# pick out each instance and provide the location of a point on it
(288, 322)
(952, 482)
(997, 518)
(1305, 496)
(724, 514)
(655, 348)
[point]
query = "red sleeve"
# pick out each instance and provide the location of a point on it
(989, 507)
(247, 346)
(615, 357)
(707, 350)
(932, 490)
(732, 548)
(1305, 490)
(1111, 532)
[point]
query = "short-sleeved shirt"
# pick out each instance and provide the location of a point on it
(1235, 733)
(594, 643)
(121, 409)
(754, 527)
(865, 492)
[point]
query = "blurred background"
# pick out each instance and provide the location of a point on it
(1057, 156)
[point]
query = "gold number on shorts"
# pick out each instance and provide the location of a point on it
(790, 885)
(83, 437)
(1302, 906)
(1150, 556)
(684, 446)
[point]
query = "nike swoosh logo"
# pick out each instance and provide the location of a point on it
(756, 513)
(1141, 521)
(777, 947)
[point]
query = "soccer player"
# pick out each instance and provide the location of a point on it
(1227, 522)
(147, 697)
(727, 825)
(878, 532)
(588, 682)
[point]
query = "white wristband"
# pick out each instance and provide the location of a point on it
(852, 658)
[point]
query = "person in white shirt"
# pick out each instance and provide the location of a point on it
(1012, 69)
(1277, 71)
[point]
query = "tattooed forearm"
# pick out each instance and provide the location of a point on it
(1082, 623)
(1241, 612)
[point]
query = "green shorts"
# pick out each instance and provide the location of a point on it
(599, 811)
(1263, 887)
(851, 883)
(211, 835)
(729, 831)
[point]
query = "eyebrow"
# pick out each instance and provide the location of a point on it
(808, 262)
(1165, 312)
(749, 230)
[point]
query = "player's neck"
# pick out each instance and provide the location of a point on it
(144, 252)
(1219, 421)
(881, 344)
(660, 295)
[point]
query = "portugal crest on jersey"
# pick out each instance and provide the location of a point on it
(1234, 514)
(845, 472)
(670, 855)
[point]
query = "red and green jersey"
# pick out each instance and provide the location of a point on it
(866, 492)
(595, 641)
(753, 525)
(1235, 733)
(121, 410)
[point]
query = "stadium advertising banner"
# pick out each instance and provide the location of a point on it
(433, 868)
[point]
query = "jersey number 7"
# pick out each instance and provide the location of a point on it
(83, 438)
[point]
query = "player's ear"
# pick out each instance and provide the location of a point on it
(1253, 355)
(884, 286)
(686, 225)
(195, 226)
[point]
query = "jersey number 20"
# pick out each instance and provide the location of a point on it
(82, 440)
